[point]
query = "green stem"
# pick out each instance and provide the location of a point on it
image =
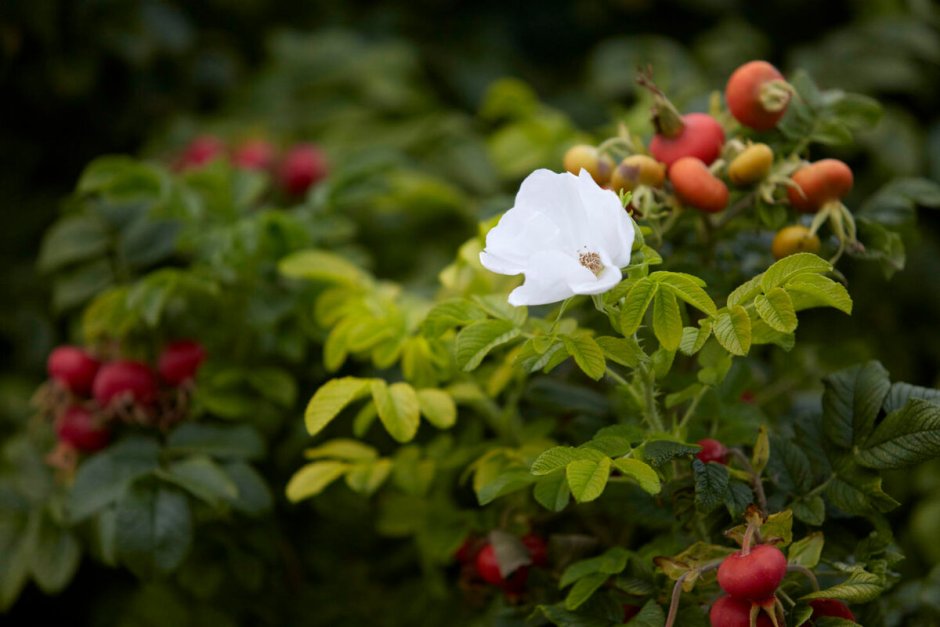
(649, 399)
(691, 410)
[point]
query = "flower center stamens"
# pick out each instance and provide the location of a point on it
(591, 261)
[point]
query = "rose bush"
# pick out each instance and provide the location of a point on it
(583, 461)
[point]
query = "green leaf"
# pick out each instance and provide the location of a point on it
(313, 478)
(733, 330)
(901, 393)
(221, 441)
(342, 449)
(860, 587)
(560, 456)
(474, 342)
(776, 309)
(637, 302)
(587, 354)
(203, 478)
(551, 491)
(693, 339)
(331, 399)
(368, 476)
(852, 401)
(319, 265)
(154, 530)
(667, 319)
(789, 465)
(745, 292)
(610, 562)
(438, 407)
(806, 552)
(398, 407)
(254, 497)
(623, 351)
(450, 314)
(814, 290)
(658, 452)
(906, 437)
(584, 589)
(107, 475)
(72, 239)
(275, 384)
(688, 288)
(78, 284)
(711, 484)
(587, 478)
(148, 240)
(55, 557)
(810, 509)
(651, 615)
(789, 267)
(642, 472)
(857, 490)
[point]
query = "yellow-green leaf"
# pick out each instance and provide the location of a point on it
(331, 399)
(638, 300)
(667, 319)
(642, 472)
(313, 479)
(789, 267)
(733, 330)
(587, 478)
(776, 309)
(587, 354)
(438, 407)
(398, 408)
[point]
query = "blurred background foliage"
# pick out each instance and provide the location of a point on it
(406, 89)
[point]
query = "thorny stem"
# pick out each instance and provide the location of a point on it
(756, 484)
(803, 570)
(677, 589)
(649, 399)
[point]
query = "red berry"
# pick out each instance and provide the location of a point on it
(538, 550)
(821, 182)
(254, 154)
(831, 607)
(180, 360)
(73, 368)
(200, 151)
(754, 576)
(467, 551)
(701, 137)
(120, 378)
(712, 451)
(757, 95)
(79, 428)
(731, 612)
(303, 166)
(629, 611)
(696, 186)
(488, 569)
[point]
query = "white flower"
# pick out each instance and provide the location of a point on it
(565, 234)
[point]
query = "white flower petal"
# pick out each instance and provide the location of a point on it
(556, 196)
(608, 278)
(549, 278)
(609, 224)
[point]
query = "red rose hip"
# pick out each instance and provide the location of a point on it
(700, 136)
(254, 154)
(731, 612)
(697, 187)
(712, 451)
(538, 550)
(757, 95)
(125, 378)
(79, 428)
(303, 166)
(753, 576)
(180, 360)
(73, 368)
(200, 151)
(824, 181)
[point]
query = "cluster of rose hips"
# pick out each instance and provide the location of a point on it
(691, 153)
(750, 577)
(86, 395)
(478, 559)
(296, 170)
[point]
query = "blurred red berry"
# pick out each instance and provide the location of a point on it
(73, 368)
(200, 151)
(79, 428)
(254, 154)
(125, 377)
(712, 451)
(304, 165)
(538, 549)
(180, 360)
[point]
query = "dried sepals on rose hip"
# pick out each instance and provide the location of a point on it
(757, 95)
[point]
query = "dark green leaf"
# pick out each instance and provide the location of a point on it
(711, 484)
(908, 436)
